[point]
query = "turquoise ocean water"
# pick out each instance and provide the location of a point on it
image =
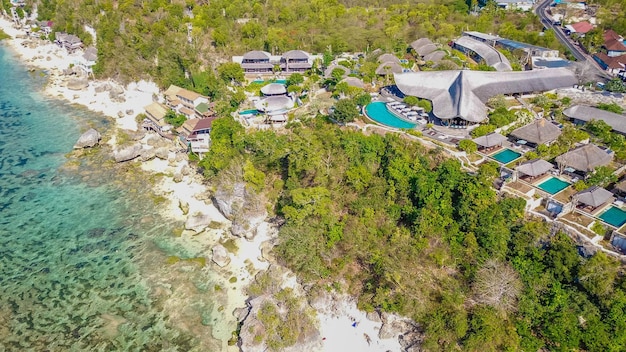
(78, 259)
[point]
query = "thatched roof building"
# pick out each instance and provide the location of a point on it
(585, 158)
(588, 113)
(435, 56)
(490, 140)
(387, 68)
(354, 82)
(593, 196)
(489, 54)
(416, 45)
(534, 167)
(539, 132)
(462, 93)
(274, 89)
(329, 70)
(388, 58)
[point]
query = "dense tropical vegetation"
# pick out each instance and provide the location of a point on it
(174, 42)
(405, 230)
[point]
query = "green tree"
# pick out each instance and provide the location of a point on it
(598, 274)
(295, 79)
(468, 146)
(230, 72)
(411, 100)
(345, 111)
(174, 119)
(612, 107)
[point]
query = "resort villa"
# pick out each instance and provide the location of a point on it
(155, 120)
(188, 103)
(580, 114)
(275, 102)
(584, 159)
(264, 63)
(195, 134)
(70, 42)
(458, 96)
(498, 42)
(538, 132)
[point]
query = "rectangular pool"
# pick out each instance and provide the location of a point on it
(506, 156)
(553, 185)
(614, 216)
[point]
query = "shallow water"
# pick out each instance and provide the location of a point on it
(78, 260)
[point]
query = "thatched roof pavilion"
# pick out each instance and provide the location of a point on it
(462, 93)
(354, 82)
(585, 158)
(588, 113)
(534, 168)
(387, 68)
(593, 196)
(491, 55)
(329, 70)
(435, 56)
(539, 132)
(490, 140)
(274, 89)
(388, 58)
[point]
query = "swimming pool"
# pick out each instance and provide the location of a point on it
(281, 81)
(553, 185)
(249, 112)
(506, 156)
(614, 216)
(378, 112)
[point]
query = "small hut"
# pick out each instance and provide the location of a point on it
(533, 168)
(585, 158)
(490, 141)
(592, 198)
(387, 68)
(539, 132)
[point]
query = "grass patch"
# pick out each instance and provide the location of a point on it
(232, 280)
(230, 245)
(4, 35)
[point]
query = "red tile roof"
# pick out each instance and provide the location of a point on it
(582, 27)
(616, 62)
(614, 45)
(611, 34)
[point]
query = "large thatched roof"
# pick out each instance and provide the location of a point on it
(387, 68)
(534, 167)
(585, 158)
(594, 196)
(296, 55)
(426, 49)
(274, 89)
(587, 113)
(462, 93)
(539, 132)
(490, 140)
(492, 57)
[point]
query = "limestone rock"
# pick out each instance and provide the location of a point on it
(220, 256)
(178, 177)
(120, 114)
(127, 153)
(197, 222)
(77, 83)
(373, 316)
(88, 139)
(147, 154)
(162, 153)
(130, 112)
(185, 170)
(397, 327)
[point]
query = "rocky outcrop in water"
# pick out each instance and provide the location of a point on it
(127, 153)
(88, 139)
(198, 222)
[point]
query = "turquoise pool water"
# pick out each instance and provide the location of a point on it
(506, 156)
(614, 216)
(378, 112)
(249, 112)
(553, 185)
(281, 81)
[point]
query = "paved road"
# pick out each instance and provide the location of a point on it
(576, 51)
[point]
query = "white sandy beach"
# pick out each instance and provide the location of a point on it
(336, 327)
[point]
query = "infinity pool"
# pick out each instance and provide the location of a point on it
(378, 112)
(614, 216)
(553, 185)
(506, 156)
